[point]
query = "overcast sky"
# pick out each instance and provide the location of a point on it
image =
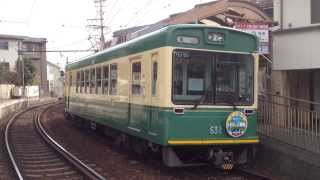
(64, 22)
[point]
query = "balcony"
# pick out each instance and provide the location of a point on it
(31, 55)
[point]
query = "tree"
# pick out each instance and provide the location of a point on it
(29, 72)
(6, 76)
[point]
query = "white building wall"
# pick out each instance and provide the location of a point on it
(10, 55)
(295, 12)
(55, 82)
(297, 49)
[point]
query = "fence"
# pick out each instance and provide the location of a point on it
(293, 121)
(5, 91)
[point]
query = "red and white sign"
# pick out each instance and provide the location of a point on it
(260, 30)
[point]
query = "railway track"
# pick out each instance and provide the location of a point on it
(5, 171)
(35, 155)
(119, 163)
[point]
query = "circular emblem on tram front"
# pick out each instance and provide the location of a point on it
(236, 124)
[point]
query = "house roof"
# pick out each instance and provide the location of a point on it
(215, 10)
(23, 38)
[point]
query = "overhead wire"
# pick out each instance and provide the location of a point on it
(138, 12)
(149, 10)
(117, 12)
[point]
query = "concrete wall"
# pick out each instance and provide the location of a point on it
(5, 91)
(10, 55)
(296, 13)
(279, 83)
(11, 106)
(297, 49)
(300, 84)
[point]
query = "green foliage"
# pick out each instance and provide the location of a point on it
(6, 76)
(29, 72)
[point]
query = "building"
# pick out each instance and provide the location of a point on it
(221, 12)
(296, 50)
(15, 49)
(247, 15)
(265, 5)
(55, 80)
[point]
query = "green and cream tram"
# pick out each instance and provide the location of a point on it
(185, 91)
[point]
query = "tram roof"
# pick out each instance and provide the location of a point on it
(235, 41)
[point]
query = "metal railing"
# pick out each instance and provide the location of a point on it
(291, 120)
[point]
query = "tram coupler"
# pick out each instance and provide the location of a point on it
(223, 160)
(227, 166)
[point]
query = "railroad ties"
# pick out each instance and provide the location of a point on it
(32, 156)
(5, 172)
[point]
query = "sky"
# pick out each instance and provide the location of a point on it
(64, 23)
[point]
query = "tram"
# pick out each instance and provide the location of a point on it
(187, 92)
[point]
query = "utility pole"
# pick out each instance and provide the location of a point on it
(101, 13)
(22, 67)
(98, 24)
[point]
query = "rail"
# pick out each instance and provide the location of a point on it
(8, 147)
(85, 169)
(291, 120)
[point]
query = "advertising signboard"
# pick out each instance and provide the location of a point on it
(260, 30)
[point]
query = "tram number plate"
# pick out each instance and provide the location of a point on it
(214, 130)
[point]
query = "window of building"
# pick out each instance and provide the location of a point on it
(87, 81)
(78, 82)
(136, 78)
(99, 81)
(4, 45)
(82, 81)
(315, 13)
(105, 80)
(113, 79)
(92, 80)
(154, 77)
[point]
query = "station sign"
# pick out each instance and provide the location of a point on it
(260, 30)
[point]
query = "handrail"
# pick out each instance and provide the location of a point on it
(290, 98)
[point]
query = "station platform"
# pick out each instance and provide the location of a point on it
(287, 161)
(8, 106)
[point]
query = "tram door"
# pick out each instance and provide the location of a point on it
(68, 90)
(153, 94)
(137, 95)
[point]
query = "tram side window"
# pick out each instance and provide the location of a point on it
(136, 78)
(78, 80)
(154, 78)
(82, 81)
(113, 79)
(86, 79)
(105, 81)
(92, 80)
(98, 87)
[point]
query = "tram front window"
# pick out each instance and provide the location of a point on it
(212, 78)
